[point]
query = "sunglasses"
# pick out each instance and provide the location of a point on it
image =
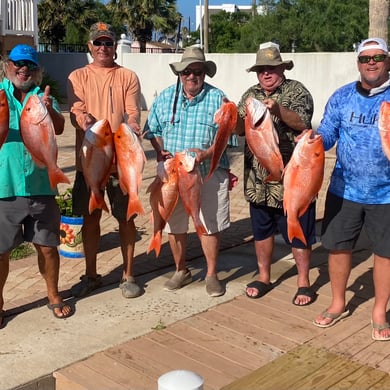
(21, 63)
(195, 72)
(103, 43)
(376, 58)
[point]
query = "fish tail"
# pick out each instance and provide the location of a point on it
(294, 230)
(155, 243)
(57, 176)
(97, 202)
(134, 207)
(200, 229)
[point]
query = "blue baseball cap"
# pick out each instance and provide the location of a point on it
(25, 53)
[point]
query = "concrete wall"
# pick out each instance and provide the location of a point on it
(321, 73)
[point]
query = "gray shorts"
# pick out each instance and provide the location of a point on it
(214, 207)
(344, 220)
(34, 219)
(118, 201)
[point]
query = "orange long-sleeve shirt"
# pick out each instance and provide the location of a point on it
(105, 93)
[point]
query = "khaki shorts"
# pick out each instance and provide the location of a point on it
(214, 207)
(33, 219)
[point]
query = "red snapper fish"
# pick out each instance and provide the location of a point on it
(38, 135)
(384, 127)
(190, 183)
(130, 162)
(4, 117)
(302, 180)
(97, 157)
(262, 138)
(164, 194)
(226, 118)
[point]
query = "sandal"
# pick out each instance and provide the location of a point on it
(2, 319)
(334, 317)
(61, 305)
(379, 328)
(86, 285)
(307, 292)
(261, 287)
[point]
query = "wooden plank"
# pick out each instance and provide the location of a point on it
(124, 375)
(246, 328)
(155, 360)
(279, 323)
(361, 379)
(66, 382)
(85, 378)
(250, 344)
(382, 384)
(196, 353)
(284, 371)
(217, 345)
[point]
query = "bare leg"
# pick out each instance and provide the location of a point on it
(91, 239)
(263, 249)
(49, 267)
(178, 244)
(210, 246)
(4, 270)
(302, 261)
(127, 233)
(382, 293)
(340, 263)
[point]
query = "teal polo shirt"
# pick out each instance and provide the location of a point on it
(19, 175)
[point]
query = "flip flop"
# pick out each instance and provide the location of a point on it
(379, 327)
(261, 287)
(307, 292)
(335, 317)
(60, 305)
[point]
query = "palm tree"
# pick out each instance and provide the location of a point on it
(378, 15)
(142, 17)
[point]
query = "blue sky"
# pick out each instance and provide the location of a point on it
(187, 8)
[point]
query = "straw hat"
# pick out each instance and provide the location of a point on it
(191, 55)
(269, 55)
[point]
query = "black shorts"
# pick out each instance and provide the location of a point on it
(267, 221)
(81, 193)
(344, 220)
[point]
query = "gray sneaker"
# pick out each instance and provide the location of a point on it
(178, 280)
(214, 287)
(86, 285)
(130, 288)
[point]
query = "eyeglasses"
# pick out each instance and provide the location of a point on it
(376, 58)
(21, 63)
(103, 43)
(195, 72)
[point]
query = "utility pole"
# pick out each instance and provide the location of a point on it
(206, 26)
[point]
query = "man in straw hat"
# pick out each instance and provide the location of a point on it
(291, 108)
(181, 118)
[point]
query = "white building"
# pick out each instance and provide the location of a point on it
(18, 23)
(231, 8)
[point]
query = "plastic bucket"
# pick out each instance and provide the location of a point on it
(71, 242)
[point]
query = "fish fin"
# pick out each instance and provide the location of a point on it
(57, 176)
(97, 202)
(134, 207)
(155, 243)
(294, 230)
(200, 229)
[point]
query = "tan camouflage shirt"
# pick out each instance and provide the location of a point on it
(293, 95)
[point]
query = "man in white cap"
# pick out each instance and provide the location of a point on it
(359, 190)
(181, 118)
(291, 108)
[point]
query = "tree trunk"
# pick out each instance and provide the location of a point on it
(378, 16)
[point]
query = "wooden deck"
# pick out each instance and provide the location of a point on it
(253, 344)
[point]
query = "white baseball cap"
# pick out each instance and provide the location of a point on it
(373, 43)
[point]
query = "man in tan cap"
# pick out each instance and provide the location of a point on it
(181, 118)
(103, 90)
(291, 108)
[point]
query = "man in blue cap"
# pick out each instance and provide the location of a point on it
(28, 209)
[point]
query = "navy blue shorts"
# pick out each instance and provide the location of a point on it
(344, 220)
(268, 221)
